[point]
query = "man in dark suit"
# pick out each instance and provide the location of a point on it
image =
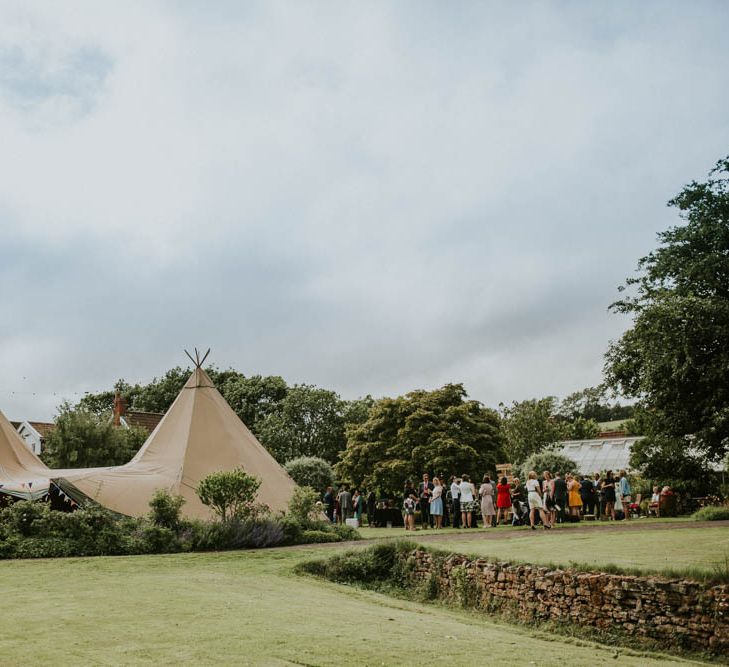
(329, 503)
(587, 494)
(560, 495)
(425, 490)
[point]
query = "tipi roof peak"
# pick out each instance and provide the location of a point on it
(198, 360)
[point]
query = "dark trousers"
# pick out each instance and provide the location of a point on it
(330, 513)
(588, 506)
(424, 513)
(456, 511)
(561, 502)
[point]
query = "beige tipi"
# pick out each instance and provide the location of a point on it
(22, 473)
(198, 435)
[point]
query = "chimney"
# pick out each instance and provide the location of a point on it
(119, 408)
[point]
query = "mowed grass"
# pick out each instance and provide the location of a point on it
(391, 533)
(694, 551)
(248, 608)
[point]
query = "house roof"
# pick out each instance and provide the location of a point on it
(43, 429)
(146, 420)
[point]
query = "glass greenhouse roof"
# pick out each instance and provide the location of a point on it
(593, 456)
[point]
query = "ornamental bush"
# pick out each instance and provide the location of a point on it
(711, 514)
(231, 494)
(311, 471)
(165, 509)
(548, 460)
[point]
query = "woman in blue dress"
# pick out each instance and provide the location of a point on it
(436, 503)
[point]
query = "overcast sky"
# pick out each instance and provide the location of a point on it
(370, 197)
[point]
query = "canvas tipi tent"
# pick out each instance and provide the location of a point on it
(22, 474)
(198, 435)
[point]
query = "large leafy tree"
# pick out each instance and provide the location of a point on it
(309, 421)
(83, 439)
(530, 427)
(592, 403)
(436, 431)
(675, 357)
(254, 398)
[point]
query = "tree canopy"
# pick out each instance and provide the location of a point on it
(674, 359)
(547, 460)
(83, 439)
(309, 421)
(438, 431)
(310, 471)
(592, 403)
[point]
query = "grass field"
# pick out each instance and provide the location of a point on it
(248, 608)
(391, 533)
(694, 551)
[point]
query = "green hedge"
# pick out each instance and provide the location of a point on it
(711, 514)
(34, 530)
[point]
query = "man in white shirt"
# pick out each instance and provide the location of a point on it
(456, 501)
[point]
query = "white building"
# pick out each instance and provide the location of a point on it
(593, 456)
(34, 434)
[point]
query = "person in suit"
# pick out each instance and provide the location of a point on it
(456, 501)
(425, 491)
(560, 495)
(587, 494)
(371, 507)
(345, 504)
(329, 503)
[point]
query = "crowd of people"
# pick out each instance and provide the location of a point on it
(544, 500)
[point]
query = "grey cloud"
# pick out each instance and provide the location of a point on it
(370, 198)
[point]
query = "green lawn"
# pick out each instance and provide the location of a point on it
(683, 549)
(247, 608)
(384, 533)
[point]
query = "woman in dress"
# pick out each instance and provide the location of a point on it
(535, 502)
(357, 505)
(548, 496)
(503, 499)
(574, 499)
(409, 504)
(436, 503)
(487, 493)
(467, 501)
(608, 494)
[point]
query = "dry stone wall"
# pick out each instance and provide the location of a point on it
(674, 612)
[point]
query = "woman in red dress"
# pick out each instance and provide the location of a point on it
(503, 499)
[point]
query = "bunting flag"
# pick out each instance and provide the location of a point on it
(30, 485)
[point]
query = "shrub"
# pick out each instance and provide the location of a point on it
(166, 509)
(547, 460)
(311, 471)
(259, 534)
(711, 514)
(213, 536)
(292, 530)
(236, 534)
(319, 536)
(156, 539)
(302, 506)
(346, 533)
(230, 493)
(25, 517)
(373, 566)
